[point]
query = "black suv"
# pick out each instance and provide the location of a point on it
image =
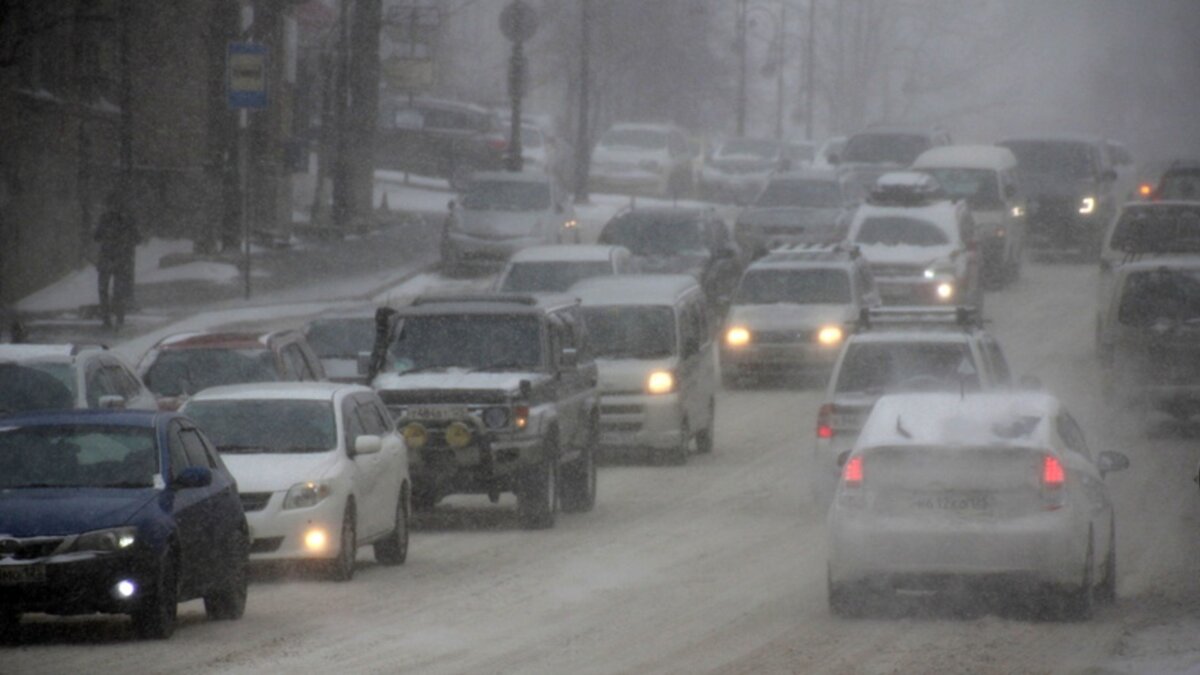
(443, 139)
(877, 150)
(493, 393)
(1070, 189)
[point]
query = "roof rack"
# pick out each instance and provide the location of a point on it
(813, 251)
(963, 316)
(905, 188)
(495, 298)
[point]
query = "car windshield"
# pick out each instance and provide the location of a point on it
(1066, 159)
(742, 147)
(267, 426)
(815, 194)
(551, 277)
(1153, 297)
(341, 338)
(641, 139)
(178, 372)
(896, 230)
(471, 341)
(97, 456)
(506, 195)
(1158, 229)
(1184, 185)
(631, 332)
(654, 235)
(25, 387)
(899, 149)
(797, 287)
(980, 187)
(63, 372)
(880, 367)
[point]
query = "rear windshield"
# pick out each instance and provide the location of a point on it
(980, 187)
(1067, 159)
(880, 367)
(1166, 298)
(341, 338)
(895, 230)
(899, 149)
(267, 426)
(506, 195)
(1179, 185)
(816, 194)
(1161, 229)
(77, 456)
(551, 277)
(631, 332)
(799, 287)
(642, 139)
(650, 235)
(177, 372)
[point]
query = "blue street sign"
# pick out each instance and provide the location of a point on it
(246, 75)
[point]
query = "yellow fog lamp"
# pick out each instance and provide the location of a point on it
(458, 435)
(415, 435)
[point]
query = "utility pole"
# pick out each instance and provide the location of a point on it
(739, 45)
(809, 70)
(583, 143)
(125, 94)
(781, 35)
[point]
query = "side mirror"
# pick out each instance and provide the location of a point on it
(569, 357)
(364, 363)
(1109, 461)
(1030, 383)
(194, 477)
(367, 445)
(112, 402)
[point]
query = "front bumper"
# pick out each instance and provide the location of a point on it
(918, 291)
(278, 534)
(771, 358)
(489, 463)
(78, 583)
(636, 420)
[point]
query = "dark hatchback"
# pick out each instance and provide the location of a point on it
(121, 512)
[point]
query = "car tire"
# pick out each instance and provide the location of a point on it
(706, 436)
(1075, 603)
(154, 616)
(579, 478)
(393, 550)
(678, 455)
(844, 601)
(228, 601)
(537, 493)
(341, 568)
(424, 500)
(1107, 591)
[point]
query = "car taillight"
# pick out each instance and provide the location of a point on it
(852, 471)
(1054, 478)
(498, 143)
(825, 421)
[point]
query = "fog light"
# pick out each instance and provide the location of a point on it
(829, 335)
(458, 435)
(1087, 205)
(660, 382)
(415, 435)
(737, 337)
(316, 540)
(126, 588)
(945, 291)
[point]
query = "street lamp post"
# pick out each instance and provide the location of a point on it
(776, 58)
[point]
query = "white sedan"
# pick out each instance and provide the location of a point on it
(320, 469)
(945, 491)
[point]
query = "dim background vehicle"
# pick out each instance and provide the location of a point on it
(93, 376)
(646, 159)
(120, 512)
(880, 149)
(439, 138)
(553, 269)
(654, 356)
(739, 168)
(987, 493)
(804, 206)
(338, 339)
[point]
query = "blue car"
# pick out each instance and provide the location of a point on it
(126, 512)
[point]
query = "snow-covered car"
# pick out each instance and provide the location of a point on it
(739, 169)
(921, 246)
(651, 159)
(985, 176)
(320, 470)
(338, 339)
(500, 213)
(990, 492)
(493, 393)
(806, 206)
(654, 357)
(900, 349)
(881, 149)
(91, 377)
(555, 268)
(792, 310)
(1149, 340)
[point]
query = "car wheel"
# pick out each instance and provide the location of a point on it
(1107, 592)
(228, 602)
(579, 478)
(704, 437)
(1075, 604)
(154, 617)
(844, 601)
(678, 455)
(424, 500)
(393, 550)
(341, 568)
(537, 495)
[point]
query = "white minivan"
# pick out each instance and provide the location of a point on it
(654, 355)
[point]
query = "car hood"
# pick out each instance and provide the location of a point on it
(58, 511)
(629, 375)
(684, 262)
(501, 224)
(904, 254)
(782, 316)
(798, 216)
(453, 378)
(273, 472)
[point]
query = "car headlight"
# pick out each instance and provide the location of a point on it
(945, 290)
(1018, 211)
(829, 335)
(105, 541)
(495, 417)
(938, 270)
(571, 224)
(737, 337)
(1087, 205)
(304, 495)
(660, 382)
(415, 435)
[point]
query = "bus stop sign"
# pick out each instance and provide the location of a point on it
(246, 75)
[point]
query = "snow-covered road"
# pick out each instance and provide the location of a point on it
(716, 566)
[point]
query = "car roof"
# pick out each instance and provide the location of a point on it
(303, 391)
(966, 157)
(44, 352)
(217, 340)
(949, 418)
(806, 174)
(808, 255)
(1055, 138)
(529, 176)
(912, 333)
(487, 303)
(889, 129)
(96, 416)
(634, 289)
(1151, 264)
(681, 213)
(429, 101)
(566, 253)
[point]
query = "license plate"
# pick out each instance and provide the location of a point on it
(438, 413)
(957, 502)
(847, 422)
(22, 574)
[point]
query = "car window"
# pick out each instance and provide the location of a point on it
(99, 384)
(368, 416)
(353, 426)
(805, 286)
(812, 193)
(631, 331)
(881, 367)
(194, 449)
(999, 365)
(175, 447)
(1072, 435)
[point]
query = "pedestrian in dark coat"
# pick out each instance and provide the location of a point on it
(118, 237)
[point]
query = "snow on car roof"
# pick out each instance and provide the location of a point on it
(634, 289)
(511, 176)
(966, 157)
(201, 340)
(946, 418)
(641, 126)
(943, 213)
(303, 391)
(26, 352)
(565, 253)
(1186, 262)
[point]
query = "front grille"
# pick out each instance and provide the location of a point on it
(254, 501)
(898, 270)
(620, 426)
(620, 409)
(28, 549)
(782, 336)
(440, 396)
(266, 545)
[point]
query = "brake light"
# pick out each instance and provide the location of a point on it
(825, 421)
(498, 143)
(1052, 472)
(852, 471)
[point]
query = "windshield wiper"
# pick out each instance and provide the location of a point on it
(500, 365)
(37, 485)
(126, 484)
(421, 369)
